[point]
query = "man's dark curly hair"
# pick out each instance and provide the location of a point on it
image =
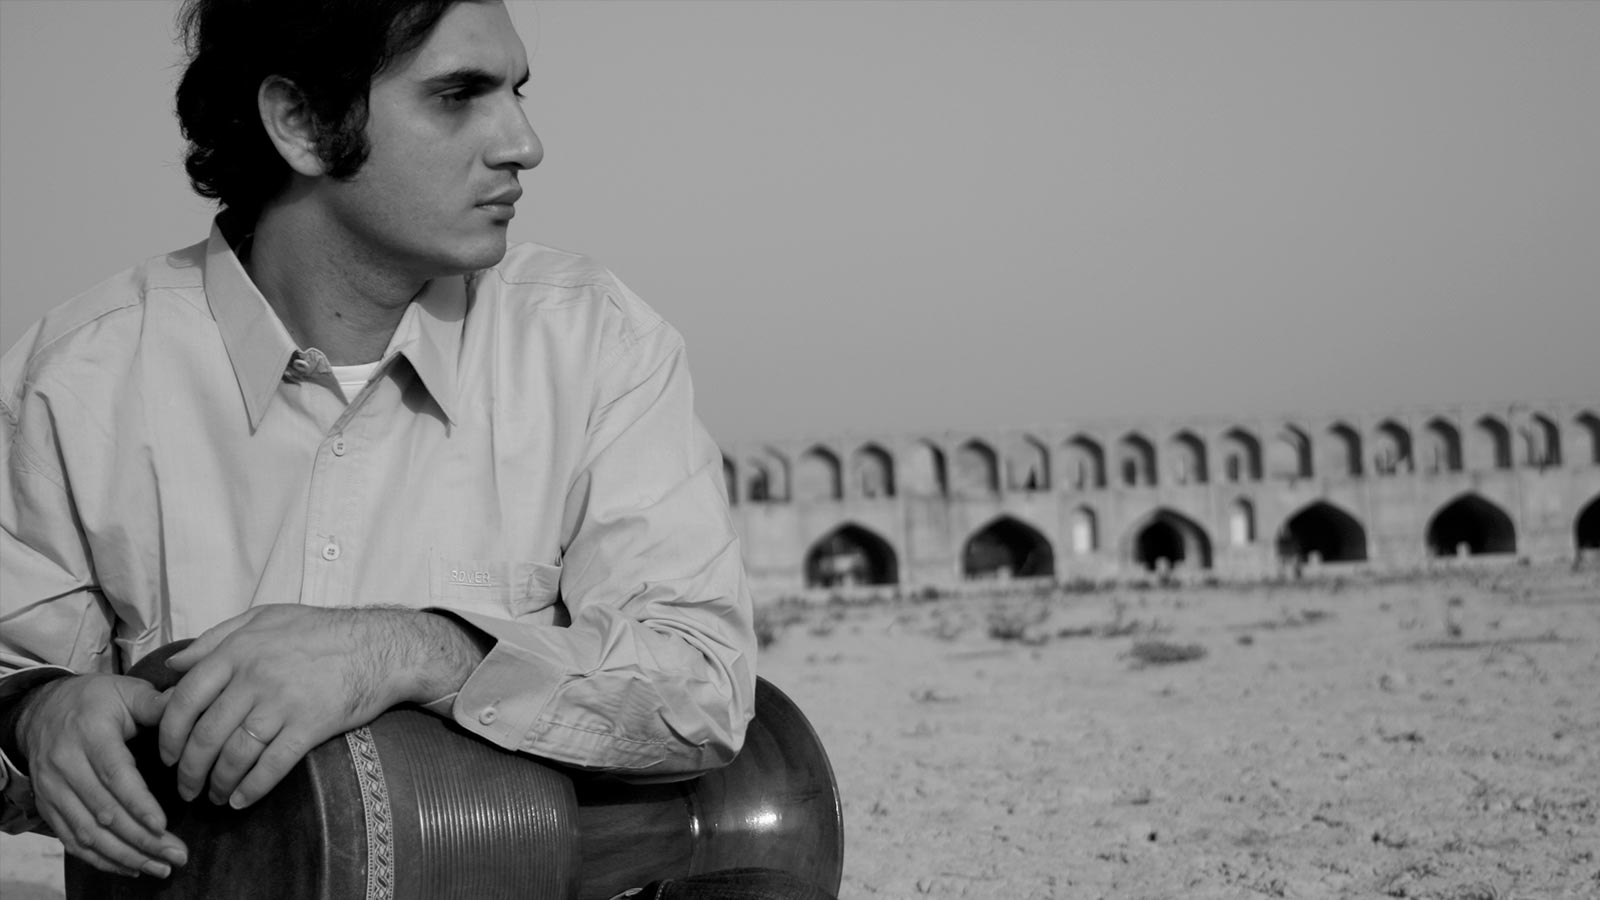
(330, 49)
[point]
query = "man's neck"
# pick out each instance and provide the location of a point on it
(328, 294)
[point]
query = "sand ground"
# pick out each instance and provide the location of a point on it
(1421, 737)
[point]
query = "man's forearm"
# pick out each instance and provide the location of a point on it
(441, 653)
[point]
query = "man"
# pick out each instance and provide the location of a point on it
(360, 450)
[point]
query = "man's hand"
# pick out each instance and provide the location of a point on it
(74, 734)
(265, 687)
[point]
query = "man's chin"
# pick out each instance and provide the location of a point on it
(480, 255)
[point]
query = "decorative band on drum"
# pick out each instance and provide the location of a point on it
(379, 817)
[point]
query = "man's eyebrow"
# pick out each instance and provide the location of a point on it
(467, 77)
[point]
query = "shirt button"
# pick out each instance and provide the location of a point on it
(487, 716)
(338, 446)
(330, 552)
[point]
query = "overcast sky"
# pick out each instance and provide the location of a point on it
(917, 215)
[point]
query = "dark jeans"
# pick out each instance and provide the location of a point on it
(730, 884)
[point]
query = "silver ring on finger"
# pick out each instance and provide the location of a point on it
(259, 739)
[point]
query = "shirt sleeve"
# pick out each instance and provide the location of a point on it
(655, 675)
(53, 618)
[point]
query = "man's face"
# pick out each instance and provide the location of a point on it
(448, 138)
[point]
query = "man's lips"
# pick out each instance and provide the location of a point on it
(504, 198)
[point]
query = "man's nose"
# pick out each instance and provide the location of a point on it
(518, 146)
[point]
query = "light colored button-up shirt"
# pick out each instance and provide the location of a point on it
(526, 458)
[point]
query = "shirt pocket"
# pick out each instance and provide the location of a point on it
(493, 586)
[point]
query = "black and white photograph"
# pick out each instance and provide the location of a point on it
(799, 449)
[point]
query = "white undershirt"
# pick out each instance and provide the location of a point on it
(353, 378)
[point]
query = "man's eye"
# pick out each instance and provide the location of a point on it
(455, 99)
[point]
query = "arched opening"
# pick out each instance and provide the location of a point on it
(817, 475)
(1136, 461)
(758, 482)
(1241, 523)
(1322, 532)
(977, 471)
(925, 472)
(1188, 459)
(1289, 456)
(1391, 450)
(1241, 456)
(766, 478)
(730, 481)
(1086, 463)
(1491, 444)
(1472, 526)
(850, 555)
(1006, 548)
(1344, 454)
(1085, 531)
(1441, 450)
(1168, 539)
(1543, 440)
(1586, 531)
(872, 471)
(1590, 423)
(1027, 466)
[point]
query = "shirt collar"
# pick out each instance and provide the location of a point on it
(260, 348)
(429, 337)
(258, 345)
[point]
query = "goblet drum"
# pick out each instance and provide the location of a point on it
(411, 807)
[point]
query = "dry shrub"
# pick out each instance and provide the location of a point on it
(1161, 653)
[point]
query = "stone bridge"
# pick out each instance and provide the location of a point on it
(1123, 499)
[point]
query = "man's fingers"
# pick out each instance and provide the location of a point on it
(124, 803)
(192, 696)
(145, 704)
(86, 834)
(88, 854)
(239, 755)
(274, 763)
(200, 753)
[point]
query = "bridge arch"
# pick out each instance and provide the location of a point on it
(1166, 534)
(818, 476)
(1085, 530)
(977, 469)
(766, 478)
(1471, 522)
(1586, 528)
(1241, 456)
(1027, 465)
(1242, 522)
(1589, 422)
(1441, 451)
(850, 555)
(1007, 547)
(1136, 460)
(1085, 464)
(1491, 444)
(1289, 454)
(1543, 441)
(1186, 455)
(1391, 453)
(1322, 531)
(872, 470)
(1344, 453)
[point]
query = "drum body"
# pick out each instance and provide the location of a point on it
(412, 807)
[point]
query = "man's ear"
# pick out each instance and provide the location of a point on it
(287, 119)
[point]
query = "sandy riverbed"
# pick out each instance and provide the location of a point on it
(1417, 737)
